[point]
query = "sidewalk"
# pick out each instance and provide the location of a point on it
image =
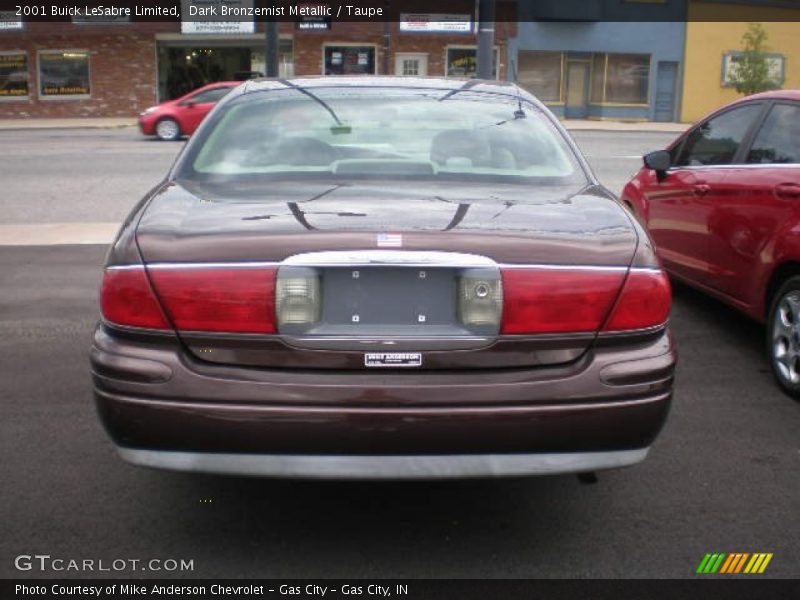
(118, 123)
(108, 123)
(644, 126)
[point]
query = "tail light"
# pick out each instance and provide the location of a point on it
(231, 300)
(545, 301)
(127, 299)
(583, 301)
(261, 300)
(644, 302)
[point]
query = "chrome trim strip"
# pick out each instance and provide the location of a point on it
(402, 258)
(633, 332)
(739, 166)
(461, 261)
(214, 265)
(326, 466)
(536, 267)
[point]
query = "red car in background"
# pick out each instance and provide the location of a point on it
(175, 118)
(722, 204)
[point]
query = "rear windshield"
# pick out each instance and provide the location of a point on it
(378, 133)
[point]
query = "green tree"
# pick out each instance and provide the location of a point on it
(751, 74)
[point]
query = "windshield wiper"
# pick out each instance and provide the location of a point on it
(467, 85)
(341, 127)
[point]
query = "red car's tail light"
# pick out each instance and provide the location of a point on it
(230, 300)
(127, 299)
(644, 302)
(553, 301)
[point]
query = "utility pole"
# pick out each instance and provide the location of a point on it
(387, 40)
(271, 54)
(486, 38)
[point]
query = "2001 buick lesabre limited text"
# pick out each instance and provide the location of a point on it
(382, 278)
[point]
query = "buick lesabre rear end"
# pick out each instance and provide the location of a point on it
(382, 278)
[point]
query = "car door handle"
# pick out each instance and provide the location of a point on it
(701, 189)
(787, 190)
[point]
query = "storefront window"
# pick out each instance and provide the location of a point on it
(598, 77)
(285, 59)
(620, 78)
(463, 62)
(541, 74)
(349, 60)
(14, 75)
(64, 73)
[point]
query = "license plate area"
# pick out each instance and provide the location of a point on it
(402, 300)
(384, 301)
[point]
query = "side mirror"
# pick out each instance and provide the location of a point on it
(659, 161)
(188, 103)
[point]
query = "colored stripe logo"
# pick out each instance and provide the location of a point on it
(734, 563)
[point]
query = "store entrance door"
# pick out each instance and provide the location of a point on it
(184, 64)
(186, 68)
(577, 90)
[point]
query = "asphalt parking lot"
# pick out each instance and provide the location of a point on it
(722, 477)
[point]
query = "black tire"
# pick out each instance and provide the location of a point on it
(783, 336)
(168, 130)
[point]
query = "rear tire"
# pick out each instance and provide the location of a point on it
(168, 130)
(783, 336)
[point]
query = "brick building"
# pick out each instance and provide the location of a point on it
(85, 68)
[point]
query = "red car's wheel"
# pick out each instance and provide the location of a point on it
(168, 130)
(783, 336)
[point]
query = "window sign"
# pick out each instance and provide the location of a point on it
(312, 17)
(463, 62)
(435, 23)
(13, 75)
(776, 66)
(64, 73)
(212, 17)
(9, 21)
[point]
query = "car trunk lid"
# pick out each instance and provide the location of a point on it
(388, 265)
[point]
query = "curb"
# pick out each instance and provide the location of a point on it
(46, 124)
(570, 125)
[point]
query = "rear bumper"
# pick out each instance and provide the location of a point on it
(165, 409)
(383, 467)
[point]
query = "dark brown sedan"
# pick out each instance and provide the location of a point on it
(382, 278)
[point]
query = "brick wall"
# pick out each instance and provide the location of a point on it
(123, 59)
(121, 66)
(308, 55)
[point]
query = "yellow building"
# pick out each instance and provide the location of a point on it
(714, 34)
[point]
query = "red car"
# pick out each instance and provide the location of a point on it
(722, 204)
(175, 118)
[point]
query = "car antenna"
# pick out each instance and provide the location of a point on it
(519, 113)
